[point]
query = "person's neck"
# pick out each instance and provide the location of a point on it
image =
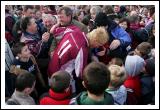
(95, 97)
(24, 59)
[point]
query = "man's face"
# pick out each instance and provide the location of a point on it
(48, 23)
(123, 25)
(63, 18)
(32, 26)
(25, 52)
(93, 14)
(116, 9)
(29, 13)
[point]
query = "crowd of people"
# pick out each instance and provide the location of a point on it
(79, 54)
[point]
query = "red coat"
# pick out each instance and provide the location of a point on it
(73, 41)
(56, 98)
(134, 84)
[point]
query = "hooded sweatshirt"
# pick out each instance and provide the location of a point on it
(83, 99)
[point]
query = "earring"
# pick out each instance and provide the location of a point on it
(17, 57)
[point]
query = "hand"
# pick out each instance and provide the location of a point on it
(45, 36)
(114, 44)
(54, 27)
(102, 53)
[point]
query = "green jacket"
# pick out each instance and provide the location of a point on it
(83, 99)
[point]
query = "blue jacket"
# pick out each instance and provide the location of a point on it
(120, 34)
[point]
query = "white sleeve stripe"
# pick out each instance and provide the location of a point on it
(64, 44)
(65, 50)
(74, 40)
(84, 35)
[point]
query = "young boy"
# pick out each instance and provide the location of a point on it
(116, 87)
(24, 61)
(60, 91)
(25, 84)
(96, 78)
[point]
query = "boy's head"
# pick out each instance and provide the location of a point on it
(143, 49)
(60, 81)
(21, 50)
(96, 78)
(118, 75)
(134, 65)
(98, 37)
(116, 61)
(25, 82)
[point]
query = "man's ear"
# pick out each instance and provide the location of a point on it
(83, 84)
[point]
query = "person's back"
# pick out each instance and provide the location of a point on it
(83, 99)
(116, 87)
(96, 79)
(74, 40)
(60, 91)
(25, 84)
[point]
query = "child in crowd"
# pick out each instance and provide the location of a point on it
(147, 82)
(143, 50)
(133, 65)
(116, 87)
(25, 84)
(24, 61)
(60, 91)
(96, 79)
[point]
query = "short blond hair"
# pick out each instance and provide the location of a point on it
(99, 34)
(117, 75)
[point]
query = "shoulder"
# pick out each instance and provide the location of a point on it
(109, 96)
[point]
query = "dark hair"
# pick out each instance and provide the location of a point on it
(52, 7)
(103, 20)
(60, 81)
(67, 10)
(24, 80)
(17, 48)
(128, 23)
(96, 78)
(26, 7)
(24, 23)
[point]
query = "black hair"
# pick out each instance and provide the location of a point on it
(103, 20)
